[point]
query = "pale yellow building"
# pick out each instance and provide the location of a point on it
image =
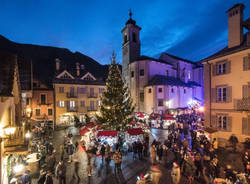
(227, 81)
(77, 92)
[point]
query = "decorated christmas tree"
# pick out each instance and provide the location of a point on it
(116, 104)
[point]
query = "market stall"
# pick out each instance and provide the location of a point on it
(108, 137)
(155, 120)
(167, 120)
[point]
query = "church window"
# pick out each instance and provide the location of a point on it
(141, 72)
(160, 90)
(132, 74)
(172, 90)
(125, 38)
(189, 75)
(142, 97)
(149, 90)
(134, 37)
(160, 102)
(184, 91)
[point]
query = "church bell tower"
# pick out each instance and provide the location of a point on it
(131, 46)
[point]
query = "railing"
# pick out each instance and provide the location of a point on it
(92, 108)
(72, 109)
(71, 95)
(242, 104)
(92, 95)
(16, 139)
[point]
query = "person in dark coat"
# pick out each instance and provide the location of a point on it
(159, 152)
(51, 163)
(61, 172)
(26, 179)
(103, 152)
(50, 148)
(48, 179)
(42, 177)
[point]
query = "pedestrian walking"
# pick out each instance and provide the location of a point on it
(26, 179)
(62, 152)
(103, 152)
(176, 173)
(70, 151)
(153, 154)
(51, 163)
(61, 172)
(156, 174)
(42, 177)
(76, 170)
(159, 152)
(117, 157)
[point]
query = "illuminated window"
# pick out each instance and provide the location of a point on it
(221, 94)
(61, 104)
(189, 74)
(72, 104)
(222, 121)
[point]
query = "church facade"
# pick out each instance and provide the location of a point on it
(158, 84)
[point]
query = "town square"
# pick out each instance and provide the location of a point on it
(125, 92)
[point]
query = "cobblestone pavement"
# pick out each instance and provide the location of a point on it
(130, 168)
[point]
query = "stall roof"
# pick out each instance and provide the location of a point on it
(112, 133)
(83, 131)
(90, 125)
(135, 131)
(168, 118)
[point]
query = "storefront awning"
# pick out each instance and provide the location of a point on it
(83, 131)
(107, 133)
(135, 131)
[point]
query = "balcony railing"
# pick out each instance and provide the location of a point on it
(72, 109)
(242, 104)
(71, 95)
(17, 139)
(92, 95)
(92, 108)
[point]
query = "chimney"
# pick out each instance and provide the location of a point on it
(78, 69)
(58, 61)
(235, 27)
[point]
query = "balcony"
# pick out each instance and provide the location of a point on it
(92, 108)
(72, 109)
(242, 104)
(92, 95)
(16, 141)
(71, 95)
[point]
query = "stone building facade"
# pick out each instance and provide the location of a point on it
(227, 81)
(157, 85)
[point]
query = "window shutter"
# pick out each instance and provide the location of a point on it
(213, 95)
(228, 67)
(229, 123)
(213, 121)
(244, 126)
(245, 91)
(245, 63)
(229, 94)
(214, 69)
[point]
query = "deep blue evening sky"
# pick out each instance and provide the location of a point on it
(192, 29)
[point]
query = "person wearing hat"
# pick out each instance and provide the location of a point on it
(176, 173)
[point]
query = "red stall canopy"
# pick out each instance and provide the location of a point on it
(154, 116)
(112, 133)
(135, 131)
(169, 118)
(83, 131)
(167, 115)
(90, 125)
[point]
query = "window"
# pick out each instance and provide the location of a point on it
(88, 78)
(166, 72)
(160, 102)
(50, 112)
(221, 94)
(246, 125)
(160, 90)
(189, 74)
(149, 90)
(61, 104)
(82, 103)
(27, 101)
(141, 72)
(134, 37)
(101, 90)
(72, 104)
(132, 74)
(221, 68)
(125, 38)
(246, 63)
(222, 122)
(38, 112)
(43, 99)
(184, 91)
(142, 97)
(61, 89)
(172, 90)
